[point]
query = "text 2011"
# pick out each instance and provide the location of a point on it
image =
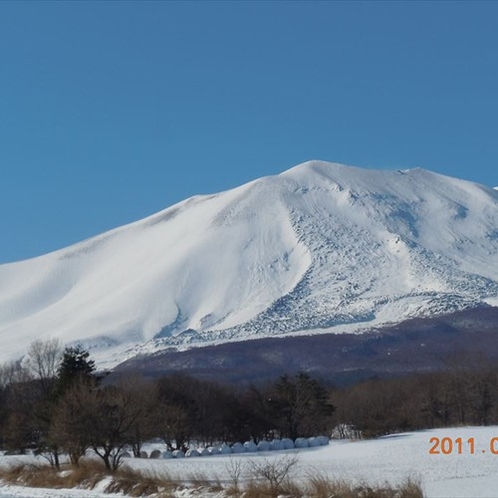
(448, 446)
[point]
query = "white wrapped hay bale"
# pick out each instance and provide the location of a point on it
(225, 449)
(288, 443)
(238, 448)
(313, 442)
(263, 446)
(250, 446)
(301, 442)
(276, 445)
(178, 454)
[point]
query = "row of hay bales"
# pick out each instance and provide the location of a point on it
(247, 447)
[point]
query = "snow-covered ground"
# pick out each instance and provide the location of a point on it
(389, 459)
(21, 492)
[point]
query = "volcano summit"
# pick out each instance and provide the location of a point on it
(319, 248)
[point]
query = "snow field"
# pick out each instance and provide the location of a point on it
(390, 459)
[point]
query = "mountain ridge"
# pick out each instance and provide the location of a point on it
(321, 247)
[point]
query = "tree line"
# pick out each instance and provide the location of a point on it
(53, 402)
(465, 392)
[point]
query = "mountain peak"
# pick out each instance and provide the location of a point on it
(322, 168)
(322, 247)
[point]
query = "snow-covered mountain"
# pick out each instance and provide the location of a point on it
(319, 248)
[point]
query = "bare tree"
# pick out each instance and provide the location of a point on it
(235, 469)
(68, 429)
(13, 373)
(174, 426)
(101, 418)
(301, 406)
(143, 402)
(20, 428)
(43, 359)
(274, 472)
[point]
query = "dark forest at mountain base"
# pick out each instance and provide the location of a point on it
(416, 345)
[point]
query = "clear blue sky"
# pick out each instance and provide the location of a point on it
(111, 111)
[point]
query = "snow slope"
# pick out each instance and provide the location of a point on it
(320, 247)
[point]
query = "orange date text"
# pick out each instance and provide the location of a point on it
(452, 446)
